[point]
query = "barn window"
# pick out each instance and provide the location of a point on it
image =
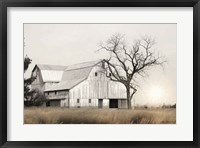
(95, 74)
(55, 92)
(78, 100)
(89, 100)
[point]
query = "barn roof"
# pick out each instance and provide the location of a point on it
(54, 73)
(51, 67)
(82, 65)
(50, 73)
(80, 73)
(66, 85)
(74, 75)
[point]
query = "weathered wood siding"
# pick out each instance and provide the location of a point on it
(55, 103)
(38, 82)
(63, 96)
(65, 102)
(96, 86)
(57, 94)
(86, 103)
(122, 103)
(48, 85)
(90, 90)
(116, 90)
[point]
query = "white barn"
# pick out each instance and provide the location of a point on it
(80, 85)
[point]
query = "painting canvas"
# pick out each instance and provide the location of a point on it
(100, 73)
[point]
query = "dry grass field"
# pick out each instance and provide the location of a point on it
(56, 115)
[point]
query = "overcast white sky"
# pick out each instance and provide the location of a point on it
(66, 44)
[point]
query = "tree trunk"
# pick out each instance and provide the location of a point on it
(128, 98)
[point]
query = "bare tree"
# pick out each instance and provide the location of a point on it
(125, 63)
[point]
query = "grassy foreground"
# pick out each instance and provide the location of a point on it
(57, 115)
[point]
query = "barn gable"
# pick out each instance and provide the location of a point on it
(50, 73)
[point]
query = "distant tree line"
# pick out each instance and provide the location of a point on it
(151, 107)
(169, 106)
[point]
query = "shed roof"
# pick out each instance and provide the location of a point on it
(65, 85)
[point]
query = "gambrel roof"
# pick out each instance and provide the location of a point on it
(71, 78)
(73, 75)
(83, 65)
(68, 78)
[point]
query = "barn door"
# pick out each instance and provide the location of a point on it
(47, 103)
(113, 103)
(100, 103)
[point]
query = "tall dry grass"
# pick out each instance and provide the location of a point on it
(57, 115)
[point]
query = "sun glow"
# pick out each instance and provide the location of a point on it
(156, 93)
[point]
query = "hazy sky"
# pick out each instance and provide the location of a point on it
(66, 44)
